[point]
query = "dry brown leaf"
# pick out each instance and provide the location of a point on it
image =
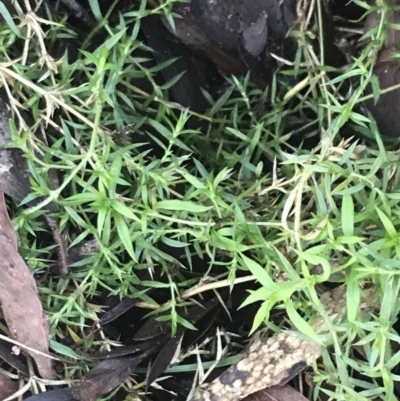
(6, 225)
(19, 298)
(61, 394)
(277, 393)
(16, 361)
(105, 377)
(7, 387)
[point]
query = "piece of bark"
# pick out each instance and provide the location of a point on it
(264, 364)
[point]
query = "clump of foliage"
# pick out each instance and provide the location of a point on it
(207, 192)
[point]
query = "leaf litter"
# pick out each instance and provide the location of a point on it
(15, 180)
(7, 387)
(277, 393)
(7, 355)
(19, 298)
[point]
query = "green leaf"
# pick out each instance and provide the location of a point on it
(259, 272)
(349, 240)
(179, 205)
(238, 134)
(124, 210)
(67, 351)
(219, 241)
(9, 19)
(174, 243)
(185, 323)
(353, 294)
(376, 90)
(101, 218)
(166, 133)
(389, 300)
(223, 175)
(261, 316)
(112, 40)
(115, 172)
(79, 199)
(192, 180)
(286, 266)
(256, 296)
(316, 260)
(89, 57)
(348, 215)
(393, 361)
(75, 216)
(172, 81)
(201, 169)
(299, 322)
(285, 289)
(221, 102)
(95, 7)
(107, 229)
(124, 235)
(154, 284)
(390, 229)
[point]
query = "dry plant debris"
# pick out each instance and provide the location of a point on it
(277, 393)
(105, 377)
(15, 181)
(318, 203)
(7, 387)
(271, 363)
(276, 360)
(19, 298)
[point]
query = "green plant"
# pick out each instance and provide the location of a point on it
(206, 194)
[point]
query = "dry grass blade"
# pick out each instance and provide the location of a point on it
(19, 297)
